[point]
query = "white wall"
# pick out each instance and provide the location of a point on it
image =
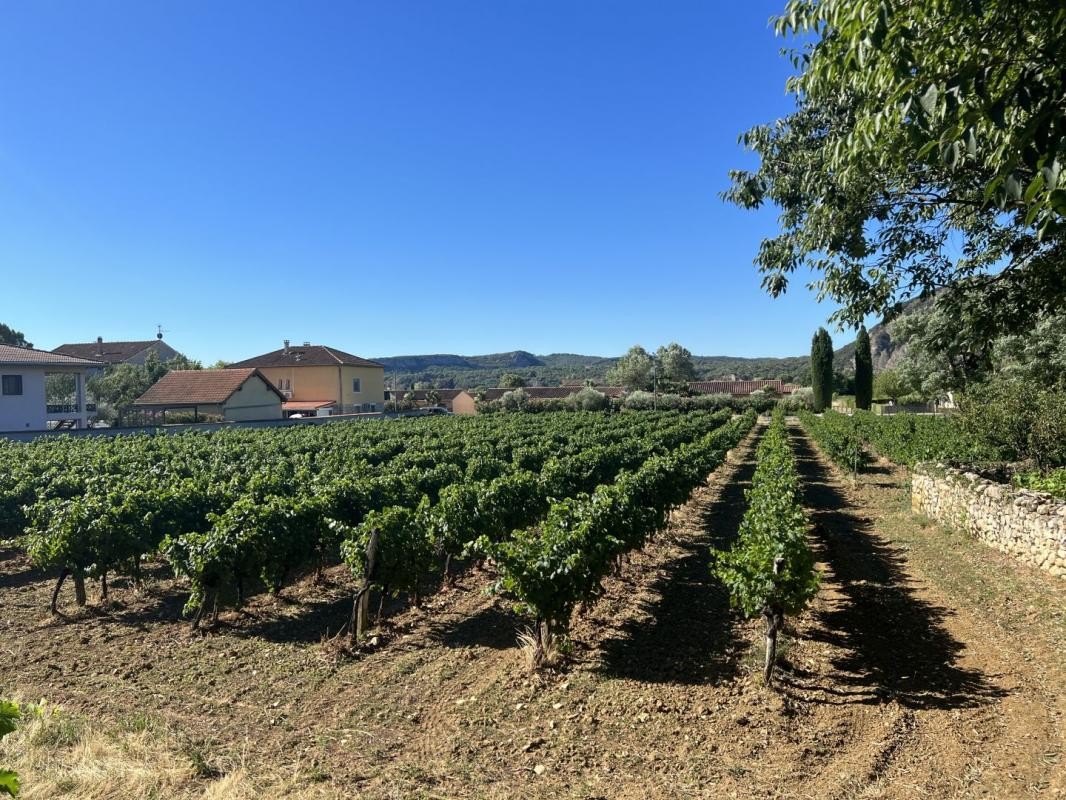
(25, 412)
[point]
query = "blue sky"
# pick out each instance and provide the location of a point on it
(391, 177)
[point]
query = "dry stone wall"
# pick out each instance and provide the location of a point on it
(1031, 526)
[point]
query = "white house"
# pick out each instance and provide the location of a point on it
(23, 401)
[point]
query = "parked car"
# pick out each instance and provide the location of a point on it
(433, 411)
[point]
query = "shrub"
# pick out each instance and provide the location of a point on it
(1023, 421)
(517, 400)
(588, 399)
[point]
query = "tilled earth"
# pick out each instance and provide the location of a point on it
(903, 680)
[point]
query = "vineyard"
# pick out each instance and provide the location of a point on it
(659, 569)
(901, 438)
(545, 496)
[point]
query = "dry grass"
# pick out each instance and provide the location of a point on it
(58, 755)
(536, 657)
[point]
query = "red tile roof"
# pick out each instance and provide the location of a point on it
(735, 388)
(315, 355)
(109, 352)
(199, 387)
(30, 357)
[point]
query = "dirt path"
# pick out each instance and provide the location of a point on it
(959, 713)
(902, 680)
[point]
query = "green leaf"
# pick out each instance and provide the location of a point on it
(1057, 200)
(9, 782)
(9, 715)
(929, 99)
(1035, 185)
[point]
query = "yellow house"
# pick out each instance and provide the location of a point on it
(315, 379)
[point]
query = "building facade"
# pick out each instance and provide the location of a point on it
(316, 379)
(24, 375)
(232, 395)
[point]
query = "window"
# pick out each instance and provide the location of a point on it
(281, 383)
(357, 385)
(12, 384)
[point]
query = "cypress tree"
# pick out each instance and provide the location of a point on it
(822, 370)
(864, 370)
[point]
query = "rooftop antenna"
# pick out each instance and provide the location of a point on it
(160, 331)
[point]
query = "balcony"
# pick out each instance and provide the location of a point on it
(66, 408)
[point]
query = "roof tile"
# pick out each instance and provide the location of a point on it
(110, 352)
(31, 357)
(199, 387)
(315, 355)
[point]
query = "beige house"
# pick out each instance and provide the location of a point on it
(316, 380)
(234, 395)
(464, 403)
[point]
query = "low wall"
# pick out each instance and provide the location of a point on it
(27, 436)
(1031, 526)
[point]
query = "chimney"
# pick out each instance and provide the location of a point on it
(99, 345)
(307, 344)
(285, 349)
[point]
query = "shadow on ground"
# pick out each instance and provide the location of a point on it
(891, 643)
(493, 627)
(685, 632)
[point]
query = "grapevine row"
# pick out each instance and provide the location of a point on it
(769, 570)
(551, 567)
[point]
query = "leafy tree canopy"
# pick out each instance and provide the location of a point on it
(675, 366)
(633, 370)
(12, 337)
(925, 149)
(512, 380)
(941, 352)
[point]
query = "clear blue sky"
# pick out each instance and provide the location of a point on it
(391, 177)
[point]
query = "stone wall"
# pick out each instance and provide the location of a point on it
(1031, 526)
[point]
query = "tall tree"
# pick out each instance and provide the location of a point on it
(633, 370)
(675, 366)
(12, 337)
(512, 380)
(864, 370)
(925, 152)
(822, 369)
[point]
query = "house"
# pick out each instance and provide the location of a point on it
(234, 395)
(316, 379)
(737, 388)
(111, 353)
(24, 373)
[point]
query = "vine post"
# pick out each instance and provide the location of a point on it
(361, 612)
(774, 619)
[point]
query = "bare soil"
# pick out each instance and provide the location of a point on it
(929, 666)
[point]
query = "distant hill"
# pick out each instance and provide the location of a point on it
(886, 352)
(457, 371)
(517, 359)
(448, 371)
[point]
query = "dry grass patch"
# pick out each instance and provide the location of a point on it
(59, 755)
